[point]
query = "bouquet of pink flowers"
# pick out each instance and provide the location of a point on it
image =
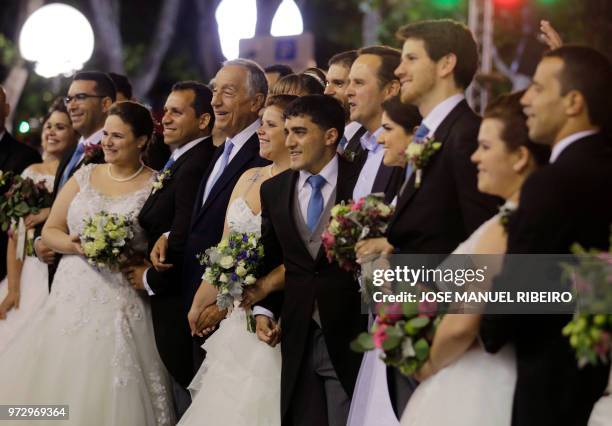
(590, 334)
(404, 333)
(352, 222)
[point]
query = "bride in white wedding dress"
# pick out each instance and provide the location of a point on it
(26, 286)
(91, 345)
(461, 384)
(239, 380)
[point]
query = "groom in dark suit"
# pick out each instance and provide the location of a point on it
(188, 120)
(89, 98)
(439, 60)
(568, 108)
(320, 307)
(14, 157)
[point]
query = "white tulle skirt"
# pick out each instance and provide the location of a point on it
(34, 290)
(239, 381)
(476, 390)
(602, 411)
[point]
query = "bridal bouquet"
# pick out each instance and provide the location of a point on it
(21, 198)
(106, 239)
(590, 334)
(352, 222)
(232, 265)
(403, 332)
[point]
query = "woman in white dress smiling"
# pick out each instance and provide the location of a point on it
(475, 388)
(240, 377)
(25, 288)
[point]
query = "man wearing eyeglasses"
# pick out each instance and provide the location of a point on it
(89, 98)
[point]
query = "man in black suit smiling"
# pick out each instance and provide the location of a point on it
(321, 306)
(188, 120)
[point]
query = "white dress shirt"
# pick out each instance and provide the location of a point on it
(238, 141)
(350, 130)
(440, 112)
(370, 168)
(176, 154)
(303, 191)
(567, 141)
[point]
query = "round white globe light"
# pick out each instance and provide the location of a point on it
(287, 20)
(58, 38)
(236, 19)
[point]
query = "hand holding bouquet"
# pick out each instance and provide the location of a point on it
(22, 197)
(353, 222)
(232, 265)
(404, 332)
(106, 239)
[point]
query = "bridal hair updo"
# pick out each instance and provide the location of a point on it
(507, 108)
(137, 116)
(404, 115)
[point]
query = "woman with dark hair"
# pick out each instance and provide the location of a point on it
(474, 387)
(91, 345)
(24, 289)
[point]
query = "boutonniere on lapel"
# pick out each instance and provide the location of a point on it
(93, 154)
(349, 155)
(418, 154)
(161, 179)
(505, 212)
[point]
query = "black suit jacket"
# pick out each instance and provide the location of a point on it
(447, 207)
(14, 157)
(98, 159)
(207, 220)
(354, 145)
(565, 202)
(306, 281)
(170, 208)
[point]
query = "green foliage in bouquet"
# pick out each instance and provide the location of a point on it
(20, 198)
(106, 239)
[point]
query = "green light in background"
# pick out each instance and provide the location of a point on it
(24, 127)
(446, 4)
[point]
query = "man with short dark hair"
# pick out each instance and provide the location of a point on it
(188, 120)
(320, 309)
(123, 86)
(276, 72)
(337, 83)
(371, 82)
(14, 157)
(567, 202)
(89, 98)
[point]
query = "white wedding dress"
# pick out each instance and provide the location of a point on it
(476, 390)
(239, 380)
(34, 287)
(602, 411)
(91, 345)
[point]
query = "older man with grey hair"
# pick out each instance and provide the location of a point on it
(239, 93)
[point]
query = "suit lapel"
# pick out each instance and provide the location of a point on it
(288, 205)
(235, 166)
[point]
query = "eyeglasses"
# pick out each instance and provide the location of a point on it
(80, 97)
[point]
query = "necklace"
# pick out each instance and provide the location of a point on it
(125, 179)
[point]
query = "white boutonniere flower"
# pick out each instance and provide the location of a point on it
(418, 155)
(161, 179)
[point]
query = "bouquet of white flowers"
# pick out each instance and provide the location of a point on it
(106, 240)
(232, 265)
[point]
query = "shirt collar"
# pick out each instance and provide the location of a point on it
(93, 139)
(567, 141)
(440, 112)
(176, 154)
(368, 140)
(350, 130)
(243, 136)
(329, 173)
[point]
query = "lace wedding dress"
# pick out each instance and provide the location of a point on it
(239, 381)
(91, 344)
(602, 411)
(34, 287)
(476, 390)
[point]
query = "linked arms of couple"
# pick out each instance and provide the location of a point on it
(204, 314)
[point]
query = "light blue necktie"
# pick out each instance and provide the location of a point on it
(74, 160)
(421, 132)
(227, 150)
(342, 144)
(368, 142)
(169, 164)
(315, 204)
